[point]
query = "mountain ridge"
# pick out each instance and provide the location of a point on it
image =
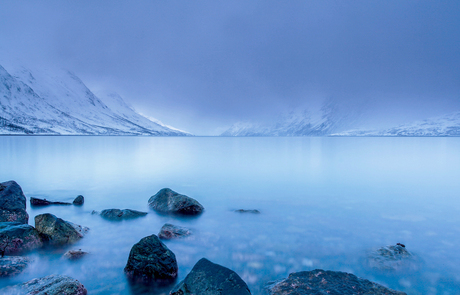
(59, 103)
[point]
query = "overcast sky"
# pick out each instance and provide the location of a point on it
(203, 65)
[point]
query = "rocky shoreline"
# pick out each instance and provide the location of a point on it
(151, 262)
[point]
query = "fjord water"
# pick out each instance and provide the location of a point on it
(325, 202)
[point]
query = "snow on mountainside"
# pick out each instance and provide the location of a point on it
(332, 116)
(447, 125)
(38, 102)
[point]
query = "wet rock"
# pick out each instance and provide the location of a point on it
(56, 230)
(44, 202)
(16, 238)
(151, 261)
(327, 282)
(12, 203)
(255, 211)
(79, 200)
(117, 214)
(50, 285)
(207, 278)
(168, 201)
(74, 254)
(169, 231)
(13, 265)
(393, 258)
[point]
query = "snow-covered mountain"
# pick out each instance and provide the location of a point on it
(40, 102)
(331, 117)
(447, 125)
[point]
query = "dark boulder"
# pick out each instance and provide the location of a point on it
(12, 203)
(393, 258)
(79, 200)
(327, 282)
(168, 201)
(169, 231)
(207, 278)
(44, 202)
(254, 211)
(74, 254)
(13, 265)
(118, 214)
(151, 261)
(50, 285)
(58, 231)
(16, 238)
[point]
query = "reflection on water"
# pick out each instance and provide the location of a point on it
(324, 203)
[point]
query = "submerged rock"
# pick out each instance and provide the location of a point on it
(169, 231)
(74, 254)
(393, 258)
(12, 203)
(207, 278)
(255, 211)
(50, 285)
(79, 200)
(319, 281)
(13, 265)
(168, 201)
(58, 231)
(16, 238)
(117, 214)
(45, 202)
(151, 261)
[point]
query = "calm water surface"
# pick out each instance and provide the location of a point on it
(324, 202)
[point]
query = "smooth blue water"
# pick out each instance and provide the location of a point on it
(325, 203)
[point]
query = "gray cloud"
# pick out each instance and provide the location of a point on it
(200, 65)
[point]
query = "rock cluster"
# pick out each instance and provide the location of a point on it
(207, 278)
(151, 261)
(319, 281)
(169, 202)
(12, 203)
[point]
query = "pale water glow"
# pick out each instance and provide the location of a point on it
(324, 203)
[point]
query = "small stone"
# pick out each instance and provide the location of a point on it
(44, 202)
(118, 214)
(393, 258)
(12, 203)
(74, 254)
(207, 278)
(13, 265)
(151, 261)
(58, 231)
(50, 285)
(79, 200)
(16, 238)
(169, 202)
(319, 281)
(254, 211)
(169, 231)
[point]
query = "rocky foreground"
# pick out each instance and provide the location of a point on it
(151, 262)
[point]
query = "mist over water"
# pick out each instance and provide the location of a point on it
(324, 202)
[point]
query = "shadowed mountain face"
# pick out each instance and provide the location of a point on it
(60, 103)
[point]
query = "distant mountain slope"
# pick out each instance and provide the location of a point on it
(37, 102)
(331, 117)
(447, 125)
